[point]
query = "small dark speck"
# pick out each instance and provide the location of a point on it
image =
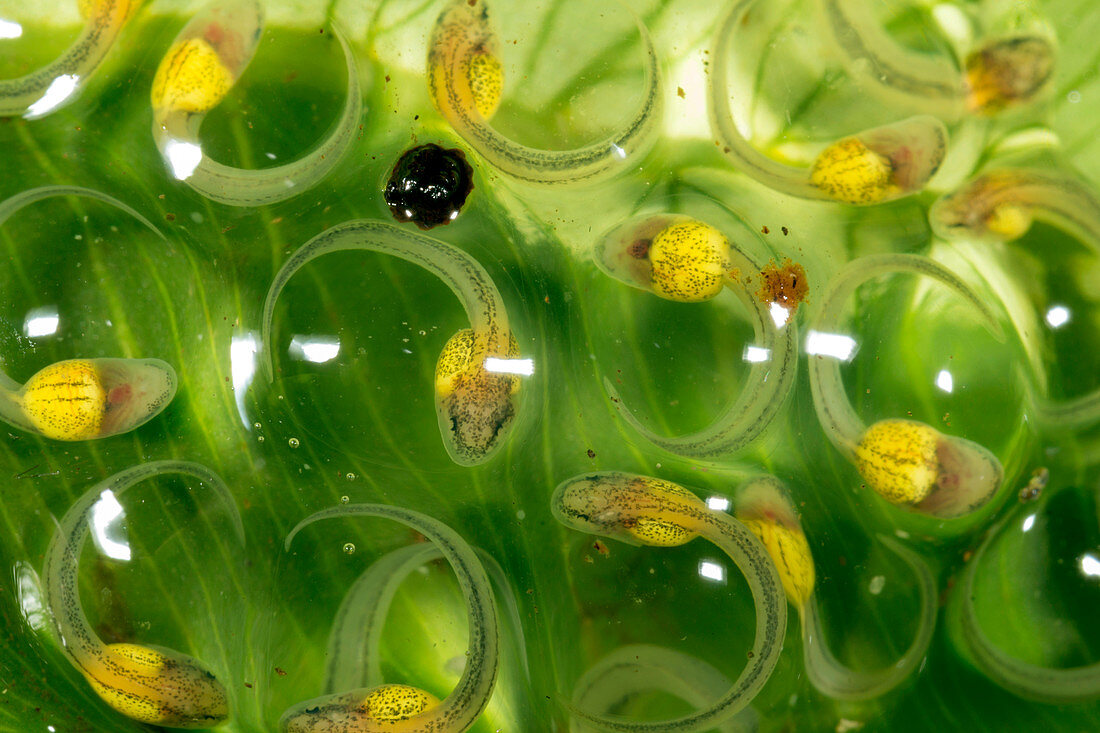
(785, 231)
(591, 453)
(322, 31)
(387, 77)
(750, 654)
(248, 685)
(280, 671)
(764, 230)
(170, 217)
(416, 117)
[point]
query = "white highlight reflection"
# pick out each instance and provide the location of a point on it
(28, 589)
(41, 322)
(522, 367)
(1090, 566)
(718, 503)
(242, 367)
(59, 90)
(835, 345)
(1057, 316)
(780, 314)
(619, 151)
(945, 381)
(757, 354)
(104, 513)
(712, 571)
(183, 157)
(1029, 522)
(317, 349)
(953, 21)
(10, 29)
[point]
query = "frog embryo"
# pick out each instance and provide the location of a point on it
(149, 684)
(466, 81)
(403, 708)
(202, 65)
(906, 462)
(764, 506)
(869, 167)
(475, 405)
(686, 260)
(85, 399)
(641, 510)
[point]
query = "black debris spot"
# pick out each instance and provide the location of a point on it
(429, 185)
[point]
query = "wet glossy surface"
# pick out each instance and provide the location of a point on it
(660, 309)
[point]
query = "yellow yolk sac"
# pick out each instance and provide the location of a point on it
(66, 400)
(455, 363)
(849, 171)
(791, 553)
(486, 78)
(398, 702)
(690, 262)
(191, 78)
(657, 531)
(898, 460)
(912, 464)
(200, 703)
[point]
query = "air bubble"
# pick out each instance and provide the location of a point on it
(349, 548)
(345, 499)
(351, 476)
(293, 443)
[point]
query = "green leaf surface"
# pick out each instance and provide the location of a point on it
(361, 426)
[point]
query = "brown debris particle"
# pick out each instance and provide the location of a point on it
(785, 231)
(601, 548)
(785, 284)
(281, 672)
(591, 453)
(680, 92)
(764, 229)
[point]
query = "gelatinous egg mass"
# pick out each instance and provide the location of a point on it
(429, 185)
